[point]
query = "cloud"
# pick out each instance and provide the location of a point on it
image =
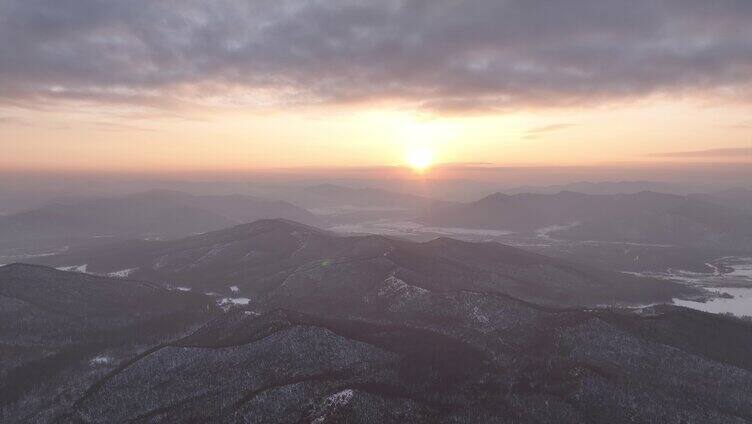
(546, 129)
(29, 123)
(730, 152)
(118, 127)
(440, 55)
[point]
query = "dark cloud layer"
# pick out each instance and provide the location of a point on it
(436, 54)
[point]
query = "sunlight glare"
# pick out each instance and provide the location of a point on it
(419, 158)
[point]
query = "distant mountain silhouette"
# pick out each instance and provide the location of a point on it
(740, 198)
(601, 187)
(644, 217)
(157, 213)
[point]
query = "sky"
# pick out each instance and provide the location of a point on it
(141, 86)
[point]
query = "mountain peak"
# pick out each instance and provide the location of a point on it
(495, 197)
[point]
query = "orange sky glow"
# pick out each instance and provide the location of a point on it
(85, 137)
(147, 87)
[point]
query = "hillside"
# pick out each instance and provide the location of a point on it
(60, 331)
(269, 257)
(427, 356)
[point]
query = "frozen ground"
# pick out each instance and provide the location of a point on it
(740, 304)
(734, 288)
(409, 228)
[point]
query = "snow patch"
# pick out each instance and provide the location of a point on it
(331, 404)
(734, 288)
(393, 286)
(735, 300)
(715, 269)
(234, 289)
(100, 360)
(74, 268)
(545, 232)
(227, 302)
(340, 398)
(123, 273)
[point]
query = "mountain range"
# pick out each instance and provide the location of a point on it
(397, 351)
(601, 187)
(740, 198)
(156, 213)
(644, 217)
(266, 259)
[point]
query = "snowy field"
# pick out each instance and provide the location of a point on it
(409, 228)
(735, 287)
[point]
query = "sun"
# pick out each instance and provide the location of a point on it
(419, 158)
